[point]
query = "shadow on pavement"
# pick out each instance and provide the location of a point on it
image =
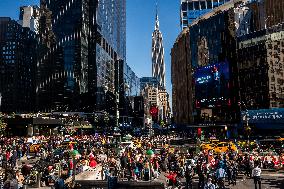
(274, 183)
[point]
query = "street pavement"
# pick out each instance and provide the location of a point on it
(90, 174)
(270, 180)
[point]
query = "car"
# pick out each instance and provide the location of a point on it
(207, 147)
(66, 144)
(222, 147)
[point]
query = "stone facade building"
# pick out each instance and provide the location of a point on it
(182, 96)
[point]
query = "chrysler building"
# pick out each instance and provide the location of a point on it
(158, 63)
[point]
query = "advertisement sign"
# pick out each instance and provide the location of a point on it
(264, 116)
(212, 85)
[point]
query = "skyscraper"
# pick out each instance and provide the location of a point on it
(82, 40)
(18, 54)
(192, 9)
(29, 16)
(158, 63)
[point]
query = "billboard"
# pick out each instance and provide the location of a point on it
(212, 85)
(261, 116)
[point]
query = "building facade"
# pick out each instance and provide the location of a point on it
(193, 9)
(83, 40)
(260, 57)
(164, 105)
(29, 17)
(144, 81)
(227, 61)
(181, 77)
(18, 57)
(158, 63)
(204, 70)
(150, 96)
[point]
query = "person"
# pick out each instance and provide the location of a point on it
(172, 178)
(256, 176)
(209, 184)
(59, 184)
(220, 175)
(188, 177)
(201, 175)
(10, 180)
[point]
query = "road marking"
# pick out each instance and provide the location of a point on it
(272, 175)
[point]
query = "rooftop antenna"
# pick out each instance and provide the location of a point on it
(157, 18)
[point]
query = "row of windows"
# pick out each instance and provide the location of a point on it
(200, 5)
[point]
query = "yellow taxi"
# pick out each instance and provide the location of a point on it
(66, 144)
(246, 144)
(214, 141)
(207, 146)
(222, 147)
(137, 143)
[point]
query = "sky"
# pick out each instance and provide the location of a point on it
(140, 25)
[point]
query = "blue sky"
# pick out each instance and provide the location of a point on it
(140, 25)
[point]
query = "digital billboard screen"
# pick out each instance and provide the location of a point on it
(212, 85)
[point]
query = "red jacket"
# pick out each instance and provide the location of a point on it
(172, 177)
(93, 163)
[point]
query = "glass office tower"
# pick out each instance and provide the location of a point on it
(18, 56)
(81, 41)
(193, 9)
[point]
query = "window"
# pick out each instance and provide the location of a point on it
(209, 5)
(183, 6)
(215, 3)
(196, 5)
(203, 5)
(190, 6)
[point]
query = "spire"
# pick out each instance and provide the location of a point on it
(157, 18)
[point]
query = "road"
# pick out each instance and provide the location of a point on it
(270, 180)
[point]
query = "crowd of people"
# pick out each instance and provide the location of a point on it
(59, 158)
